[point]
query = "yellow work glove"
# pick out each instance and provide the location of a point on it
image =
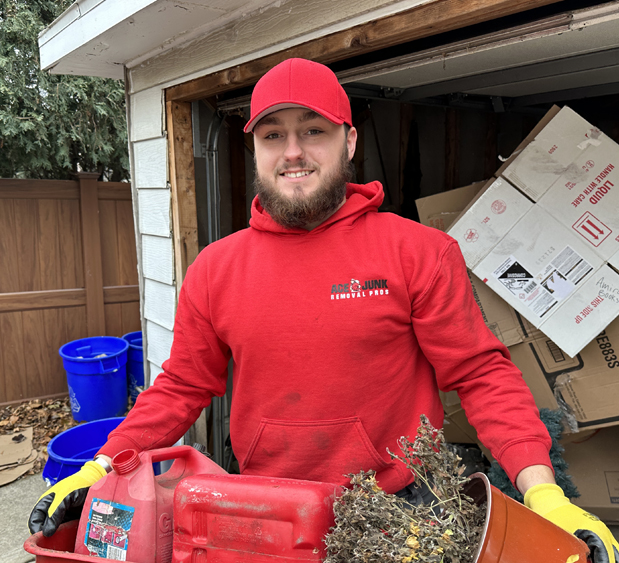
(64, 501)
(549, 501)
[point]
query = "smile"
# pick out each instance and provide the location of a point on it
(297, 174)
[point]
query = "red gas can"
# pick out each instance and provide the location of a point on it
(128, 514)
(251, 519)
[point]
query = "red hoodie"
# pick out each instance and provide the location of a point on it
(341, 338)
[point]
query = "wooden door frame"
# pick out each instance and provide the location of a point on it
(423, 21)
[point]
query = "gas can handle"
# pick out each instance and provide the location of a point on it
(165, 454)
(189, 458)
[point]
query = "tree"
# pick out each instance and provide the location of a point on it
(54, 125)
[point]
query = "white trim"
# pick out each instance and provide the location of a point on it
(160, 303)
(155, 211)
(159, 343)
(158, 259)
(151, 163)
(82, 22)
(144, 106)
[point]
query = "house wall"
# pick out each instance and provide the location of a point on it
(149, 158)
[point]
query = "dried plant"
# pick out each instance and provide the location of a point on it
(374, 526)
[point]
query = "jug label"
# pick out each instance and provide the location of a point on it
(107, 531)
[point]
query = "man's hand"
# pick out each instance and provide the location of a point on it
(64, 500)
(549, 501)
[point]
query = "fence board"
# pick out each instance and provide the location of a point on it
(121, 318)
(54, 379)
(109, 251)
(127, 256)
(116, 191)
(29, 300)
(91, 244)
(70, 239)
(13, 356)
(9, 274)
(131, 316)
(26, 224)
(44, 298)
(38, 361)
(113, 319)
(48, 245)
(75, 322)
(121, 294)
(39, 189)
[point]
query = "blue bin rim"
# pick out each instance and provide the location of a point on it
(75, 460)
(64, 356)
(134, 335)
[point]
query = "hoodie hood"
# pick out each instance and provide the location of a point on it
(360, 199)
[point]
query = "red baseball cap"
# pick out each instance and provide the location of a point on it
(300, 83)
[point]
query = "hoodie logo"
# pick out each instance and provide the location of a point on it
(358, 290)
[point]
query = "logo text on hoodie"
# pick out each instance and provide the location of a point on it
(357, 290)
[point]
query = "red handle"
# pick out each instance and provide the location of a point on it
(187, 461)
(165, 454)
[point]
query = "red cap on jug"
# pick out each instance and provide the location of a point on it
(125, 461)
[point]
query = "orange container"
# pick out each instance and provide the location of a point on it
(515, 534)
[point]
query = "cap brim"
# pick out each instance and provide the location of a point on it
(289, 105)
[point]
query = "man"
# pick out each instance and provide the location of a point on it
(342, 323)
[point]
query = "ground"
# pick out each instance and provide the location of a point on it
(47, 419)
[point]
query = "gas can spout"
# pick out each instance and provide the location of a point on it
(125, 462)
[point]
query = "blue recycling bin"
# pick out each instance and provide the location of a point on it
(135, 364)
(74, 447)
(97, 377)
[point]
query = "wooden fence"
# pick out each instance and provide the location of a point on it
(68, 270)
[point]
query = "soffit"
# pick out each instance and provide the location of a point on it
(99, 37)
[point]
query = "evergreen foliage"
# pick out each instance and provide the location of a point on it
(552, 420)
(53, 125)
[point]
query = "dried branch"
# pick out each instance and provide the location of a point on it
(373, 526)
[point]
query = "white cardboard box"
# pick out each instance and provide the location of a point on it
(488, 218)
(537, 265)
(545, 247)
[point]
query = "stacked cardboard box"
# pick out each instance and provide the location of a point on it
(585, 387)
(594, 467)
(541, 239)
(544, 234)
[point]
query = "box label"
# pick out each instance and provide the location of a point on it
(107, 531)
(553, 284)
(592, 229)
(523, 286)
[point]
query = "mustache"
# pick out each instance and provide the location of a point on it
(300, 164)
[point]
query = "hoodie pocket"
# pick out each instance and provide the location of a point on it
(326, 450)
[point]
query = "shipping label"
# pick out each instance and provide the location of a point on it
(543, 291)
(107, 531)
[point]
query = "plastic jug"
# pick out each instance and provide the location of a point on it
(128, 514)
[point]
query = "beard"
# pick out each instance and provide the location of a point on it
(300, 210)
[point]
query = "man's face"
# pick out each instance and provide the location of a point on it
(302, 166)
